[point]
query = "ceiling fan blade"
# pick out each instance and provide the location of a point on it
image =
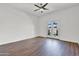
(45, 8)
(37, 6)
(44, 5)
(36, 9)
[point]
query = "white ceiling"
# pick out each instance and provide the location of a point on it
(29, 7)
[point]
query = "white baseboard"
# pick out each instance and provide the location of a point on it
(18, 40)
(64, 39)
(36, 36)
(74, 41)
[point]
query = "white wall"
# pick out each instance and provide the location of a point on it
(15, 25)
(69, 20)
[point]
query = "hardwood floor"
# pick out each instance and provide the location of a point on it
(40, 47)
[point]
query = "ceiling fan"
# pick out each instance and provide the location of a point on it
(41, 7)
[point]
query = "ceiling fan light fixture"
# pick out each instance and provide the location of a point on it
(41, 11)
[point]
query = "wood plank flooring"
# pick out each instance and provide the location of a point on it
(40, 47)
